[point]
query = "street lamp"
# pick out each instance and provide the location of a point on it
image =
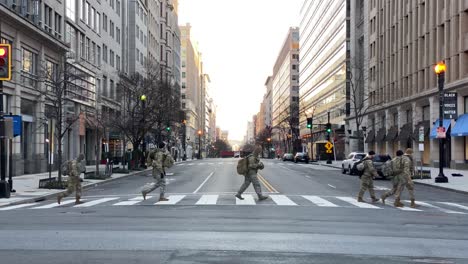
(440, 69)
(143, 106)
(199, 143)
(184, 139)
(269, 146)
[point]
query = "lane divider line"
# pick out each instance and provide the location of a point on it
(203, 183)
(271, 188)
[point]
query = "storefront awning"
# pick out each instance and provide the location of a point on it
(380, 135)
(460, 129)
(405, 132)
(446, 124)
(392, 133)
(370, 137)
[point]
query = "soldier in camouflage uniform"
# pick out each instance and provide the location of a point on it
(156, 160)
(73, 168)
(367, 178)
(397, 167)
(405, 179)
(251, 176)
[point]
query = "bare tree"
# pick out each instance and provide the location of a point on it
(57, 93)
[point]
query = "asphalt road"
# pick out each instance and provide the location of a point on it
(311, 217)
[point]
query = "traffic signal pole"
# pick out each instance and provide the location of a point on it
(329, 160)
(4, 186)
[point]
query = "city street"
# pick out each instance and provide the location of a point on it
(311, 217)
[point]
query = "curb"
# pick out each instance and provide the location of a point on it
(85, 187)
(441, 187)
(331, 166)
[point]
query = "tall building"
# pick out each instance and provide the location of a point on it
(285, 95)
(323, 70)
(406, 39)
(268, 101)
(225, 135)
(191, 84)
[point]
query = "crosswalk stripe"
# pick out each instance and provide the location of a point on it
(358, 204)
(248, 200)
(282, 200)
(208, 199)
(455, 205)
(96, 202)
(173, 199)
(133, 201)
(319, 201)
(190, 164)
(409, 209)
(448, 211)
(53, 205)
(16, 206)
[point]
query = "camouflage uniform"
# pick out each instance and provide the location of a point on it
(73, 168)
(156, 160)
(397, 165)
(367, 180)
(405, 179)
(251, 177)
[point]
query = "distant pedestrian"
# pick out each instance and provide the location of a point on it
(158, 160)
(254, 164)
(73, 168)
(367, 178)
(397, 170)
(406, 180)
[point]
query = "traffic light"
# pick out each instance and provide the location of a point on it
(168, 128)
(328, 128)
(309, 122)
(5, 62)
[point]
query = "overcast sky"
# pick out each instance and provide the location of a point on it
(240, 41)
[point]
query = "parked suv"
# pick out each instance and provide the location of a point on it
(379, 161)
(348, 164)
(301, 157)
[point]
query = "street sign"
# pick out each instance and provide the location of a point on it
(421, 134)
(441, 132)
(17, 124)
(450, 105)
(328, 145)
(328, 151)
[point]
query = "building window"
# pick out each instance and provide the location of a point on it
(104, 22)
(82, 46)
(137, 55)
(86, 13)
(104, 85)
(112, 3)
(111, 25)
(183, 74)
(111, 54)
(58, 26)
(118, 8)
(117, 32)
(88, 49)
(117, 62)
(183, 105)
(29, 61)
(81, 8)
(92, 16)
(183, 85)
(98, 54)
(70, 38)
(93, 53)
(98, 23)
(47, 18)
(112, 90)
(104, 52)
(71, 7)
(183, 96)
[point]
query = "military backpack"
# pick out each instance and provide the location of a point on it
(243, 166)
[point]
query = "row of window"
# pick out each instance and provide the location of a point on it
(141, 36)
(52, 22)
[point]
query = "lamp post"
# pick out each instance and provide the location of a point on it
(184, 139)
(269, 146)
(199, 143)
(440, 69)
(143, 106)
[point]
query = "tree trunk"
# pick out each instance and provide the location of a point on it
(97, 151)
(59, 141)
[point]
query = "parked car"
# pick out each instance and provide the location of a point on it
(348, 164)
(379, 161)
(288, 157)
(301, 157)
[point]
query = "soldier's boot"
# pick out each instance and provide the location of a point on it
(262, 197)
(374, 199)
(77, 201)
(163, 199)
(359, 199)
(59, 198)
(413, 204)
(383, 197)
(239, 196)
(397, 203)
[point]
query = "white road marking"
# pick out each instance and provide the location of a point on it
(319, 201)
(203, 183)
(96, 202)
(52, 205)
(133, 201)
(16, 206)
(409, 209)
(354, 202)
(439, 208)
(190, 164)
(248, 200)
(282, 200)
(380, 188)
(332, 186)
(208, 199)
(169, 174)
(173, 199)
(455, 205)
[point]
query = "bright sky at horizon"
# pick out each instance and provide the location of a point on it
(239, 41)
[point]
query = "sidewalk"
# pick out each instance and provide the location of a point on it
(27, 186)
(335, 164)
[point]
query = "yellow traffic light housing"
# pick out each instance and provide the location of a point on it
(5, 62)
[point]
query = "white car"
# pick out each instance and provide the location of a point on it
(348, 164)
